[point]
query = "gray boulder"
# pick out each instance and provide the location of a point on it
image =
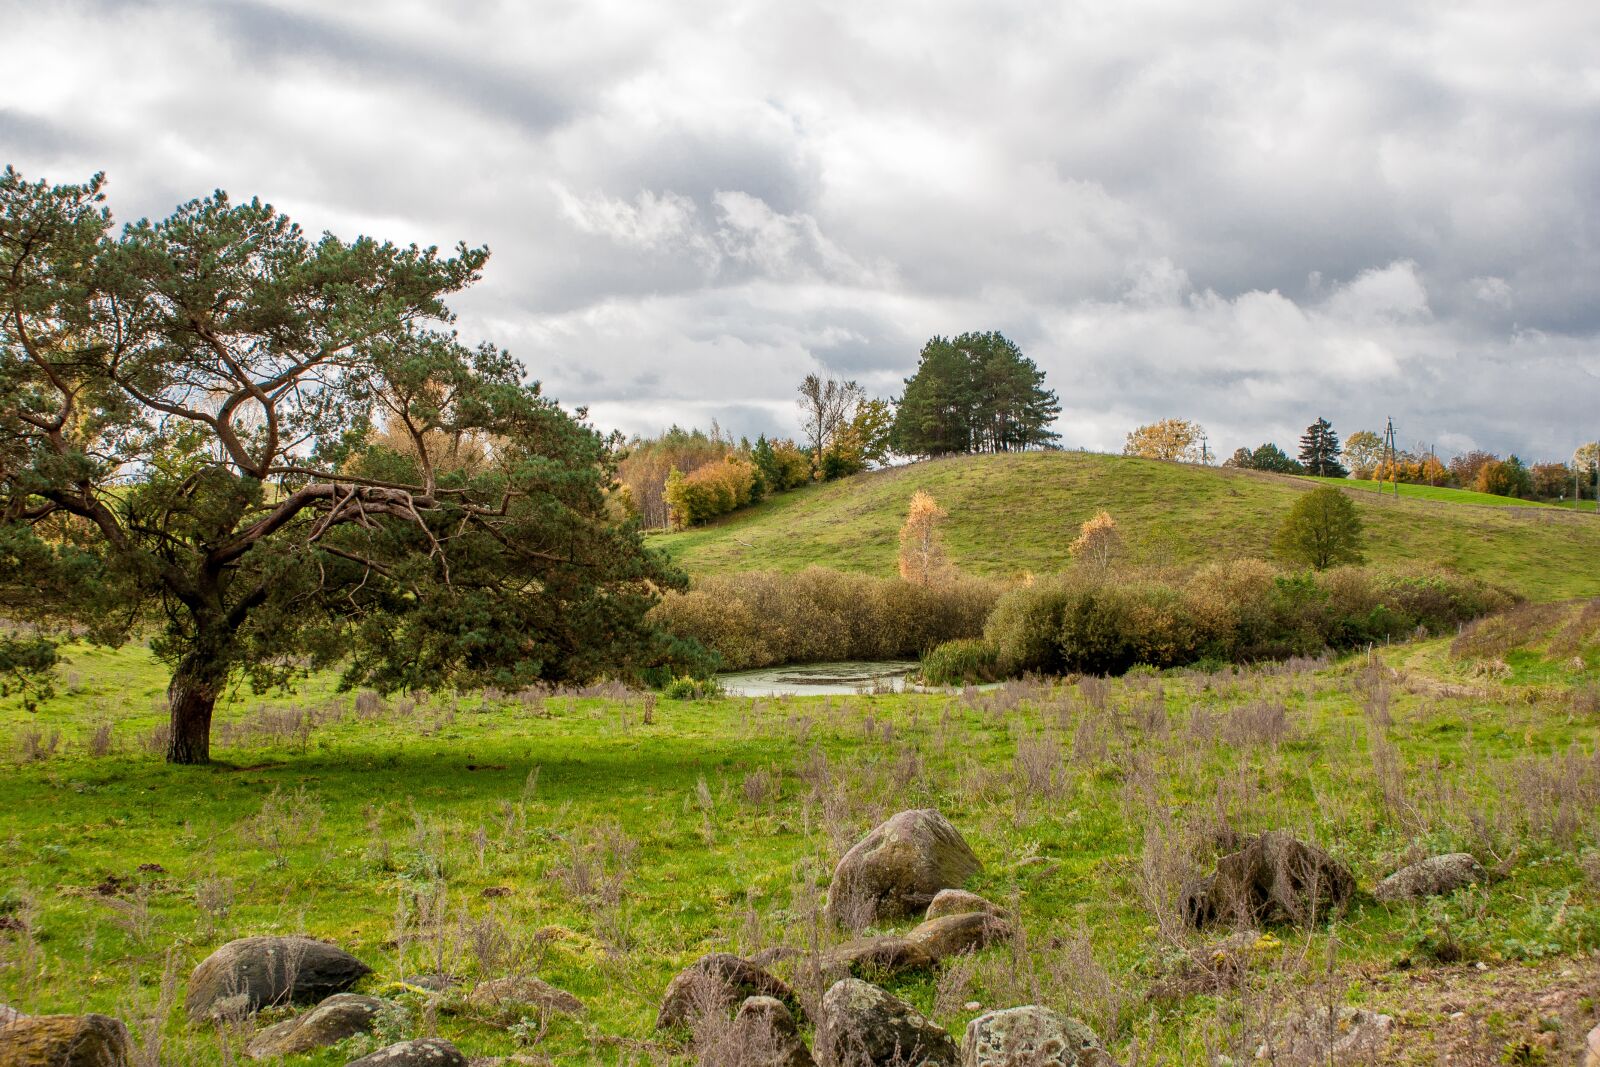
(960, 902)
(9, 1015)
(523, 990)
(864, 1026)
(423, 1052)
(717, 980)
(1432, 877)
(1272, 878)
(1030, 1035)
(64, 1041)
(340, 1016)
(952, 935)
(763, 1034)
(251, 973)
(898, 868)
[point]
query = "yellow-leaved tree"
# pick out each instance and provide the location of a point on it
(922, 557)
(1099, 542)
(1172, 439)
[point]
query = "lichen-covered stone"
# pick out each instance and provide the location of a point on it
(952, 935)
(423, 1052)
(717, 980)
(251, 973)
(960, 902)
(336, 1018)
(864, 1025)
(523, 990)
(1030, 1035)
(898, 868)
(1432, 877)
(1345, 1034)
(64, 1041)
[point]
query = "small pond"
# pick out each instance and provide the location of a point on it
(819, 679)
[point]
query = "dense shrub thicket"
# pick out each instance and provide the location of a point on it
(762, 618)
(1100, 623)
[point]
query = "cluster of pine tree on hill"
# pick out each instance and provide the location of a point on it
(974, 393)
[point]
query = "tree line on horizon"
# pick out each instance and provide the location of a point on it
(1363, 456)
(972, 393)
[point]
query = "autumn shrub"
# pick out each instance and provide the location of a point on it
(961, 662)
(764, 618)
(712, 490)
(1236, 612)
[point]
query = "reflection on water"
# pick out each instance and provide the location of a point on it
(819, 679)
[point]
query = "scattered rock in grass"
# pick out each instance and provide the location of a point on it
(1030, 1035)
(865, 1025)
(433, 983)
(422, 1052)
(898, 868)
(884, 955)
(497, 891)
(64, 1041)
(763, 1034)
(1338, 1035)
(960, 902)
(717, 980)
(1591, 1048)
(1273, 878)
(9, 1015)
(1432, 877)
(246, 975)
(523, 990)
(336, 1018)
(952, 935)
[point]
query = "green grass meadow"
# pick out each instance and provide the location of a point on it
(567, 836)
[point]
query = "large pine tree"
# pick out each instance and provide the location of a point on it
(1319, 451)
(974, 393)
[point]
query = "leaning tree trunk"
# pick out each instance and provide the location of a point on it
(191, 696)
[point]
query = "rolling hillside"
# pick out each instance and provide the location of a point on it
(1015, 513)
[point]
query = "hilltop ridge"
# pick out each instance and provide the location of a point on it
(1015, 513)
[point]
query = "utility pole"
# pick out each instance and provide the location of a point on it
(1391, 456)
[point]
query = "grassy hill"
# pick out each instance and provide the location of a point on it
(1015, 513)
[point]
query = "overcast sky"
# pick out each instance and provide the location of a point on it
(1245, 213)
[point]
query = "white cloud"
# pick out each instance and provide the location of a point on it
(1247, 213)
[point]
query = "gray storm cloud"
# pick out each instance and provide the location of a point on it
(1246, 213)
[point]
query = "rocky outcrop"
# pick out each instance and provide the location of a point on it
(251, 973)
(1030, 1035)
(866, 1026)
(898, 868)
(523, 990)
(64, 1041)
(340, 1016)
(9, 1015)
(717, 980)
(952, 935)
(1432, 877)
(423, 1052)
(1272, 878)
